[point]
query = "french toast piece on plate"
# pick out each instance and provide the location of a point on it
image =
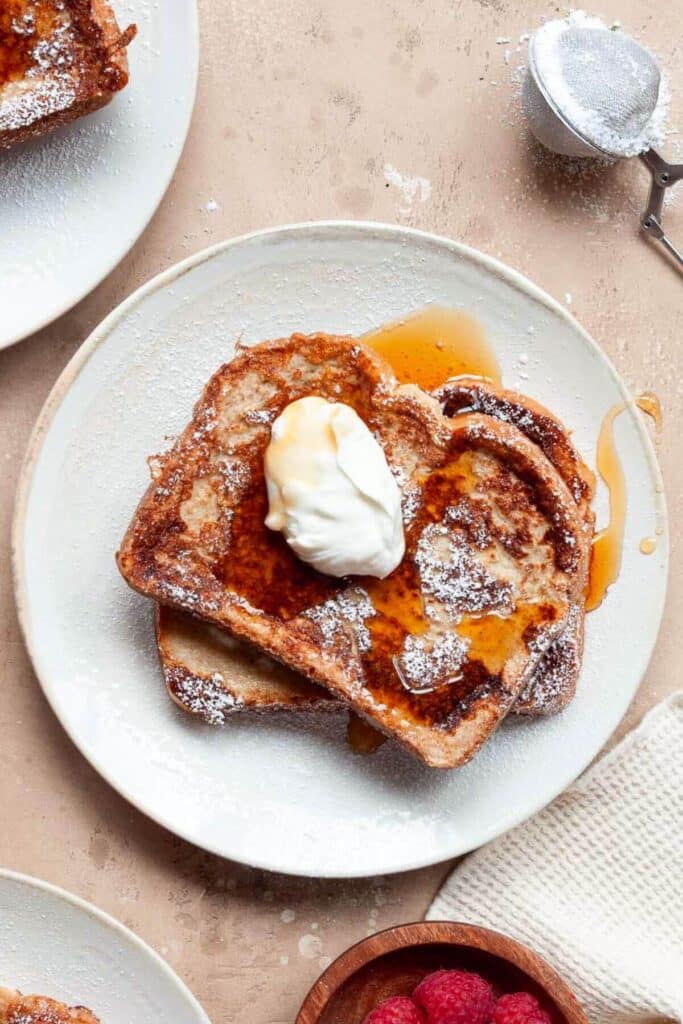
(59, 60)
(16, 1008)
(436, 654)
(210, 673)
(553, 684)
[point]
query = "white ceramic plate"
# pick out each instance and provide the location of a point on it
(281, 792)
(54, 944)
(73, 203)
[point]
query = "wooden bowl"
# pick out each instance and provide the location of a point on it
(393, 962)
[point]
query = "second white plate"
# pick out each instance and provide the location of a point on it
(53, 944)
(282, 792)
(74, 202)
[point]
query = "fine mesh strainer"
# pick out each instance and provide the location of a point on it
(592, 92)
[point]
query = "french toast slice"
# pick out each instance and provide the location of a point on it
(210, 673)
(472, 394)
(436, 654)
(59, 60)
(16, 1008)
(553, 685)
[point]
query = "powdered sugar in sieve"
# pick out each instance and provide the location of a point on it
(594, 92)
(591, 91)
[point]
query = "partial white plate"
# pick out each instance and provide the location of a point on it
(73, 203)
(283, 792)
(54, 944)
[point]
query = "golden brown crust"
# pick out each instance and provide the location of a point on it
(16, 1008)
(197, 542)
(59, 60)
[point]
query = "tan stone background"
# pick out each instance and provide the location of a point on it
(301, 107)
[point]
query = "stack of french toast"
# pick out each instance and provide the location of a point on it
(483, 615)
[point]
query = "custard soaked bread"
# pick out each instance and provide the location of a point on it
(59, 60)
(436, 654)
(18, 1009)
(210, 673)
(553, 685)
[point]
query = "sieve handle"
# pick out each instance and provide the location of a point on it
(663, 176)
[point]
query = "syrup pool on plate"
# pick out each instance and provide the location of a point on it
(431, 346)
(608, 543)
(362, 737)
(649, 403)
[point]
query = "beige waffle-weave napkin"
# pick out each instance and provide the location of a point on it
(594, 883)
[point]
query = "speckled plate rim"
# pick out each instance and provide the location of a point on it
(286, 232)
(139, 226)
(138, 944)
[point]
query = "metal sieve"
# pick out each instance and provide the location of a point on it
(597, 101)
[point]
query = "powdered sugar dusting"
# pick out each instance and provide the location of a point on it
(413, 188)
(186, 589)
(260, 416)
(453, 576)
(410, 492)
(45, 1014)
(205, 696)
(463, 514)
(348, 609)
(235, 474)
(410, 504)
(552, 684)
(426, 661)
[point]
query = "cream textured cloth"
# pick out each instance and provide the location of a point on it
(594, 883)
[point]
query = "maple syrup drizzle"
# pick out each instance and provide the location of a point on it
(433, 345)
(649, 403)
(608, 543)
(494, 638)
(362, 737)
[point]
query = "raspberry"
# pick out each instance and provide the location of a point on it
(396, 1010)
(519, 1008)
(455, 997)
